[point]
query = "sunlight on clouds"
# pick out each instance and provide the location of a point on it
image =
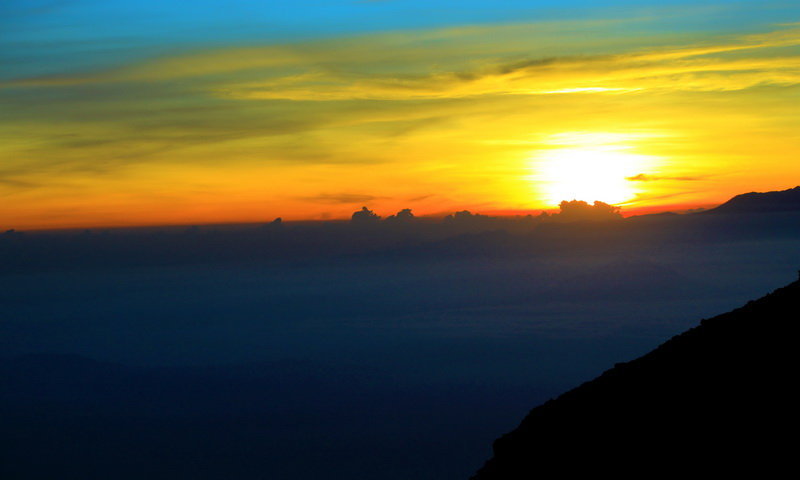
(586, 90)
(675, 68)
(503, 117)
(589, 166)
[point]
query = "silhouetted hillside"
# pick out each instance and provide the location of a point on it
(756, 202)
(712, 400)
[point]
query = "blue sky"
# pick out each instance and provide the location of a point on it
(47, 36)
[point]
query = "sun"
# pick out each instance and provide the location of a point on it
(588, 167)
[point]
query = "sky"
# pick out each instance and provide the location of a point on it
(120, 113)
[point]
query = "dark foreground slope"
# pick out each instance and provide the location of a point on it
(716, 399)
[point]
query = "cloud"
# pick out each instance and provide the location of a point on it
(365, 216)
(397, 66)
(10, 182)
(340, 198)
(642, 177)
(647, 197)
(687, 68)
(580, 211)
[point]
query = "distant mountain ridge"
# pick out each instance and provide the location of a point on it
(761, 202)
(717, 399)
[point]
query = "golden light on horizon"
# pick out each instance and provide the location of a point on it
(502, 117)
(589, 166)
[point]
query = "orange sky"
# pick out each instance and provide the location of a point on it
(492, 117)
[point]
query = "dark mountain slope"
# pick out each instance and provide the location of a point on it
(756, 202)
(717, 399)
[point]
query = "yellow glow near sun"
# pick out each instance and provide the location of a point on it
(589, 166)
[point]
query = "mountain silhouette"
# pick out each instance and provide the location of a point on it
(714, 400)
(766, 202)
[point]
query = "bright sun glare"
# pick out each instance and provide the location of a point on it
(589, 166)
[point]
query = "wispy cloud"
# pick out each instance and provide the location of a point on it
(369, 60)
(642, 177)
(340, 198)
(398, 67)
(689, 68)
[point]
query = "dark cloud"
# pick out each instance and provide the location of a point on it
(365, 216)
(10, 182)
(465, 217)
(580, 211)
(421, 198)
(404, 215)
(643, 197)
(340, 198)
(533, 63)
(643, 177)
